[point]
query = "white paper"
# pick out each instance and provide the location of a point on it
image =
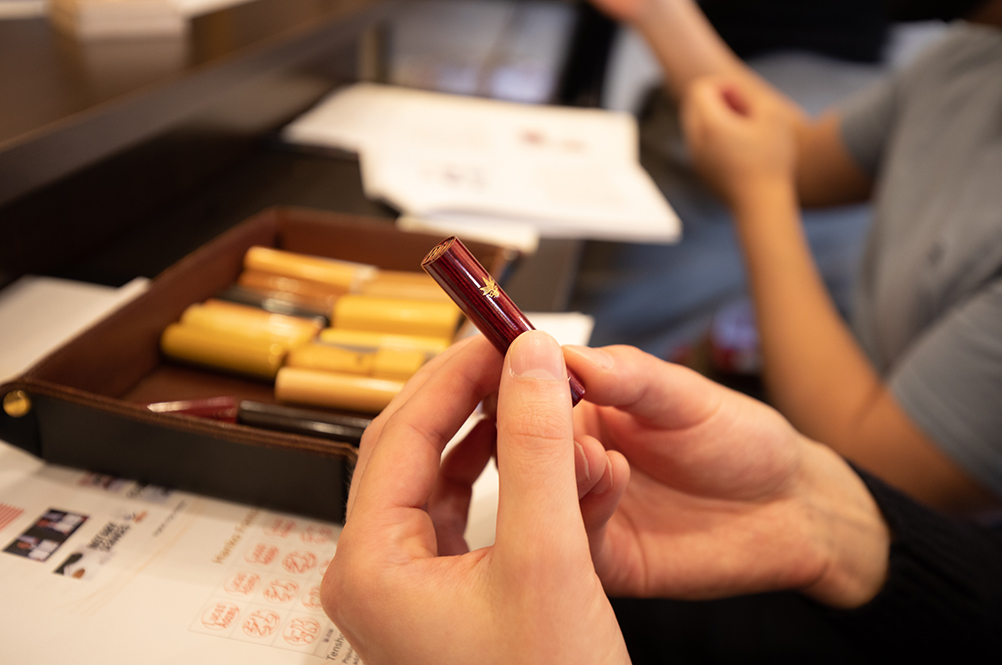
(37, 314)
(124, 572)
(522, 236)
(569, 172)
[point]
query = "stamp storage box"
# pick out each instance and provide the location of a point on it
(86, 400)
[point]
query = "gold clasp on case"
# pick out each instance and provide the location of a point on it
(16, 403)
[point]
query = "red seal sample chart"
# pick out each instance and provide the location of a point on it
(269, 593)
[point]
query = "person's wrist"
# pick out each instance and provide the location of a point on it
(752, 194)
(848, 531)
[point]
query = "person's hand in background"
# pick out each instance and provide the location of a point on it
(741, 140)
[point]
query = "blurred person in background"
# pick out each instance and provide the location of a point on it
(909, 391)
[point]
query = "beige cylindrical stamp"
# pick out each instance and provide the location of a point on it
(270, 320)
(334, 390)
(398, 364)
(343, 275)
(330, 359)
(363, 339)
(205, 347)
(395, 315)
(403, 284)
(247, 323)
(313, 294)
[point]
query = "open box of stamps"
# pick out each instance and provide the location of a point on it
(85, 405)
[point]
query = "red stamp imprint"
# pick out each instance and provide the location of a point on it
(280, 527)
(261, 554)
(241, 583)
(311, 599)
(315, 534)
(261, 623)
(301, 631)
(299, 561)
(280, 591)
(220, 616)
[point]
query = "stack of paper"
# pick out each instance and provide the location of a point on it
(466, 161)
(37, 314)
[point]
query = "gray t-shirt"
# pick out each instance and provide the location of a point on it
(928, 307)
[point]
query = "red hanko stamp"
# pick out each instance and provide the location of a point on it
(260, 623)
(280, 527)
(301, 630)
(316, 534)
(299, 561)
(280, 591)
(311, 599)
(220, 616)
(261, 554)
(242, 583)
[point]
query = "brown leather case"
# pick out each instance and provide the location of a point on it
(87, 398)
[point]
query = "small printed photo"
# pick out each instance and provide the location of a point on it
(41, 539)
(43, 550)
(23, 545)
(83, 564)
(48, 546)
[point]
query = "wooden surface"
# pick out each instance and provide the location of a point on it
(69, 103)
(119, 157)
(97, 138)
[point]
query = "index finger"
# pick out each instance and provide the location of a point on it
(653, 391)
(405, 451)
(375, 428)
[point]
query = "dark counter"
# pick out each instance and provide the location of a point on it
(97, 136)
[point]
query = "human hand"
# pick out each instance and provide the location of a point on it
(741, 137)
(724, 496)
(533, 596)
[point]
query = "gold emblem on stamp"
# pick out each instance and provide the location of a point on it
(490, 289)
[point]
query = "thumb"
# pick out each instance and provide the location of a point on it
(535, 448)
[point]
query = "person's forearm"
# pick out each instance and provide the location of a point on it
(814, 369)
(688, 47)
(686, 44)
(816, 372)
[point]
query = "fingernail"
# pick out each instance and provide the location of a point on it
(536, 355)
(604, 483)
(597, 356)
(583, 475)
